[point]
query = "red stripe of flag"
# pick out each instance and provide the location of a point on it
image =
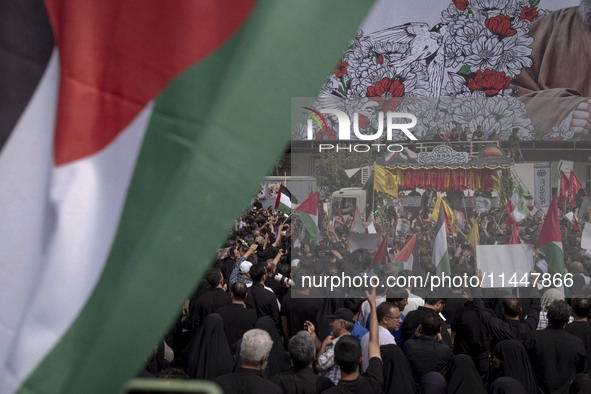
(573, 188)
(112, 67)
(514, 231)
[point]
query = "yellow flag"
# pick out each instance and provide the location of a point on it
(449, 213)
(474, 236)
(385, 181)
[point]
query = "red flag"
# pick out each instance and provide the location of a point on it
(510, 208)
(575, 225)
(357, 225)
(342, 219)
(381, 254)
(550, 240)
(564, 186)
(573, 188)
(551, 228)
(514, 239)
(407, 255)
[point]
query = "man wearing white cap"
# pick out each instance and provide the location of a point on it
(242, 266)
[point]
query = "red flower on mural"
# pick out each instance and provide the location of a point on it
(500, 25)
(461, 4)
(489, 81)
(380, 59)
(326, 135)
(363, 121)
(528, 13)
(341, 69)
(387, 92)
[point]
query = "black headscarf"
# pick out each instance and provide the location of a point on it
(397, 372)
(462, 376)
(279, 360)
(506, 385)
(515, 364)
(432, 383)
(208, 355)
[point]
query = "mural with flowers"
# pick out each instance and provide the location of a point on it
(454, 74)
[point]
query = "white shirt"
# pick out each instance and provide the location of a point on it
(414, 301)
(366, 310)
(385, 338)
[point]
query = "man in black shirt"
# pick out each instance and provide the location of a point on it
(297, 307)
(260, 299)
(478, 134)
(427, 353)
(302, 380)
(464, 134)
(237, 318)
(348, 357)
(278, 287)
(437, 137)
(209, 302)
(509, 327)
(254, 352)
(581, 327)
(415, 318)
(556, 355)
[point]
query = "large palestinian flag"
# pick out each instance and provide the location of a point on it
(132, 134)
(440, 257)
(308, 213)
(550, 240)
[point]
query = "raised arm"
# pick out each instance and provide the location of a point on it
(278, 237)
(374, 341)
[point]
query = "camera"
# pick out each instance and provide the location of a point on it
(283, 279)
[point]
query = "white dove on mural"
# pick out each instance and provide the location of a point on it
(421, 43)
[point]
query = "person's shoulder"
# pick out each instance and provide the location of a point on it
(374, 363)
(574, 339)
(220, 293)
(267, 386)
(579, 326)
(562, 16)
(227, 309)
(409, 344)
(228, 380)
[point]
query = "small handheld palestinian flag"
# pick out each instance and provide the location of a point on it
(381, 255)
(285, 200)
(308, 213)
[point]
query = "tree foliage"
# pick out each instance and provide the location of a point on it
(504, 186)
(331, 171)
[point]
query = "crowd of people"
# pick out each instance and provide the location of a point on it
(252, 326)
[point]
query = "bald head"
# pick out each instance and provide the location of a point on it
(576, 267)
(511, 308)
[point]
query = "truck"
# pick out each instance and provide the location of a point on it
(344, 201)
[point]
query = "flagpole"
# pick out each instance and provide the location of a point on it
(521, 183)
(465, 210)
(373, 194)
(502, 214)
